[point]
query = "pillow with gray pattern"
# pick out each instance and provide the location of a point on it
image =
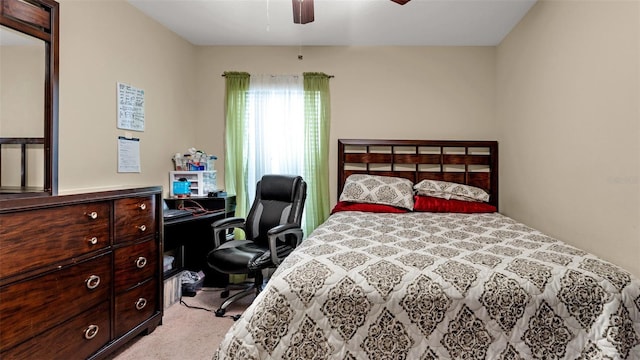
(375, 189)
(449, 190)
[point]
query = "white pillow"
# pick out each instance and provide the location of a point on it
(374, 189)
(448, 190)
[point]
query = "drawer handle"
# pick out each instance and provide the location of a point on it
(142, 228)
(92, 282)
(93, 241)
(143, 206)
(141, 303)
(91, 331)
(141, 262)
(93, 215)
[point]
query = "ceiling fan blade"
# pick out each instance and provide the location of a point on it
(401, 2)
(302, 11)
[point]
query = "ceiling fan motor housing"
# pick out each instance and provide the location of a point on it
(302, 11)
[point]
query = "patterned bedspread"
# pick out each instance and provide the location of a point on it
(439, 286)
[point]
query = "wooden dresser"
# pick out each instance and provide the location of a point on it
(80, 275)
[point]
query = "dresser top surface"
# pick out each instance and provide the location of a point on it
(20, 204)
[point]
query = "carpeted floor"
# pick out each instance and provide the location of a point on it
(186, 333)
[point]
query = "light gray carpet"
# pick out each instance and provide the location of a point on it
(186, 333)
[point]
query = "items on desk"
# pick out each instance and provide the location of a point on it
(211, 161)
(194, 160)
(169, 214)
(182, 188)
(217, 194)
(202, 182)
(192, 207)
(196, 168)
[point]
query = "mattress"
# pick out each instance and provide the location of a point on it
(439, 286)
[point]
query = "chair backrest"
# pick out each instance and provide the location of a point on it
(279, 200)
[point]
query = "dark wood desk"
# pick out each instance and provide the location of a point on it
(189, 239)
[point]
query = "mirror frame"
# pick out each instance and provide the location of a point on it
(40, 19)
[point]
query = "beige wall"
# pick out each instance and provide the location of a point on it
(21, 90)
(568, 91)
(104, 42)
(109, 41)
(560, 94)
(377, 92)
(22, 70)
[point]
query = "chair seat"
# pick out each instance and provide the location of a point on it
(233, 257)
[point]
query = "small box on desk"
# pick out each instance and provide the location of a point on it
(201, 183)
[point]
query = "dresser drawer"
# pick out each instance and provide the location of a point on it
(134, 218)
(47, 236)
(134, 264)
(30, 307)
(135, 306)
(76, 339)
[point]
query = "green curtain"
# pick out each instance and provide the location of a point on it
(235, 181)
(317, 113)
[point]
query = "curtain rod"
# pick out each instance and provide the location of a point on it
(330, 76)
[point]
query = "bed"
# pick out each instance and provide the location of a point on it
(382, 279)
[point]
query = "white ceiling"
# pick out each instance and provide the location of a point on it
(339, 22)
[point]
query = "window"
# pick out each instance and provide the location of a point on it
(278, 125)
(275, 128)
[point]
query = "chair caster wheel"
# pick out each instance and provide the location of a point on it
(224, 294)
(220, 312)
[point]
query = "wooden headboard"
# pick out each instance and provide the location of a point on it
(467, 162)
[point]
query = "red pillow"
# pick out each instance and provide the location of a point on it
(376, 208)
(433, 204)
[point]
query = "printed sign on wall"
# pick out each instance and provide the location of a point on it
(130, 108)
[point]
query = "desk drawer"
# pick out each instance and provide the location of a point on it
(134, 218)
(31, 307)
(32, 239)
(76, 339)
(135, 264)
(135, 306)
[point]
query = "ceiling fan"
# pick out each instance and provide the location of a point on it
(303, 10)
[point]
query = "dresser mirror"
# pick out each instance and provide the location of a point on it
(28, 98)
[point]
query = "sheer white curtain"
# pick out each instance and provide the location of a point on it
(275, 128)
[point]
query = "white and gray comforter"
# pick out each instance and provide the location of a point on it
(439, 286)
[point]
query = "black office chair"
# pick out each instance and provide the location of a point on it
(272, 230)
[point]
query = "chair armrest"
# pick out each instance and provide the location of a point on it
(221, 226)
(284, 229)
(228, 222)
(281, 231)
